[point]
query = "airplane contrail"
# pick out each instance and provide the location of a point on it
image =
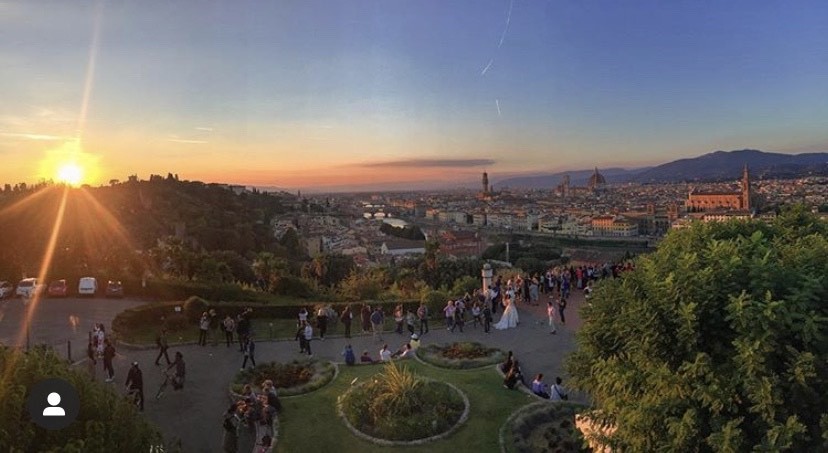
(508, 21)
(486, 69)
(497, 104)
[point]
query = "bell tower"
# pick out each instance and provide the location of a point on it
(745, 189)
(485, 183)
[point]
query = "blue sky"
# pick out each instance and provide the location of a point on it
(315, 93)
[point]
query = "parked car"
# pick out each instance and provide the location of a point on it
(58, 288)
(114, 289)
(88, 286)
(28, 287)
(6, 289)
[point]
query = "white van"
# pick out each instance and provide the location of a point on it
(88, 286)
(28, 287)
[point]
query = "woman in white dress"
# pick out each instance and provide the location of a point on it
(510, 318)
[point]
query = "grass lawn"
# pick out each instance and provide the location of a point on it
(310, 422)
(262, 329)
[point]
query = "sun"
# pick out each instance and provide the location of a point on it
(70, 173)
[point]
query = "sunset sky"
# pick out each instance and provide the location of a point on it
(334, 94)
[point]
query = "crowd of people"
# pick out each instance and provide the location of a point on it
(248, 422)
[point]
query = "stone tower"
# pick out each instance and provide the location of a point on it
(746, 195)
(485, 183)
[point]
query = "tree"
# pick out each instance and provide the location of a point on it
(718, 341)
(106, 422)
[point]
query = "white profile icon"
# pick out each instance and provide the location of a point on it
(54, 410)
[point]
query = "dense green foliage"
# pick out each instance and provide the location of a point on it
(544, 427)
(718, 341)
(106, 422)
(399, 405)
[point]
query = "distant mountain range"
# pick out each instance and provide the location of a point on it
(715, 166)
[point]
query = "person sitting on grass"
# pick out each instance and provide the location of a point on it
(385, 354)
(404, 352)
(507, 365)
(414, 342)
(365, 357)
(513, 376)
(539, 388)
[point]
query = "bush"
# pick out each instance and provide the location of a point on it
(106, 422)
(460, 355)
(434, 300)
(400, 406)
(545, 427)
(293, 378)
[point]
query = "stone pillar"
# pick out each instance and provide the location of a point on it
(487, 277)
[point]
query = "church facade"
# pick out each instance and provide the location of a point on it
(702, 201)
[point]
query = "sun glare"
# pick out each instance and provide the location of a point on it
(70, 173)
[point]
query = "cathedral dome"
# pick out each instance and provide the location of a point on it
(597, 180)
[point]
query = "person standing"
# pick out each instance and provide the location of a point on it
(91, 353)
(399, 318)
(346, 318)
(475, 310)
(458, 320)
(377, 319)
(215, 322)
(230, 442)
(108, 355)
(366, 318)
(410, 319)
(249, 353)
(322, 322)
(550, 315)
(422, 314)
(487, 318)
(242, 329)
(180, 371)
(203, 328)
(307, 334)
(135, 383)
(229, 328)
(348, 353)
(561, 308)
(448, 312)
(163, 345)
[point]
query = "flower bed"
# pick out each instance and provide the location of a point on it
(292, 378)
(396, 406)
(544, 427)
(460, 355)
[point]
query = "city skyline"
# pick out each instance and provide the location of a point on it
(315, 95)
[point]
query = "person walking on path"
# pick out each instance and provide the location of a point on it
(550, 315)
(410, 319)
(322, 322)
(377, 319)
(422, 314)
(249, 353)
(487, 318)
(108, 355)
(561, 308)
(347, 317)
(163, 345)
(300, 336)
(458, 320)
(135, 383)
(203, 328)
(308, 335)
(229, 328)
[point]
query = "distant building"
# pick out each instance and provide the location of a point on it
(597, 181)
(485, 183)
(398, 247)
(701, 201)
(611, 226)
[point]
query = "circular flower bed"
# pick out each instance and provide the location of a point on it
(396, 406)
(460, 355)
(292, 378)
(544, 427)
